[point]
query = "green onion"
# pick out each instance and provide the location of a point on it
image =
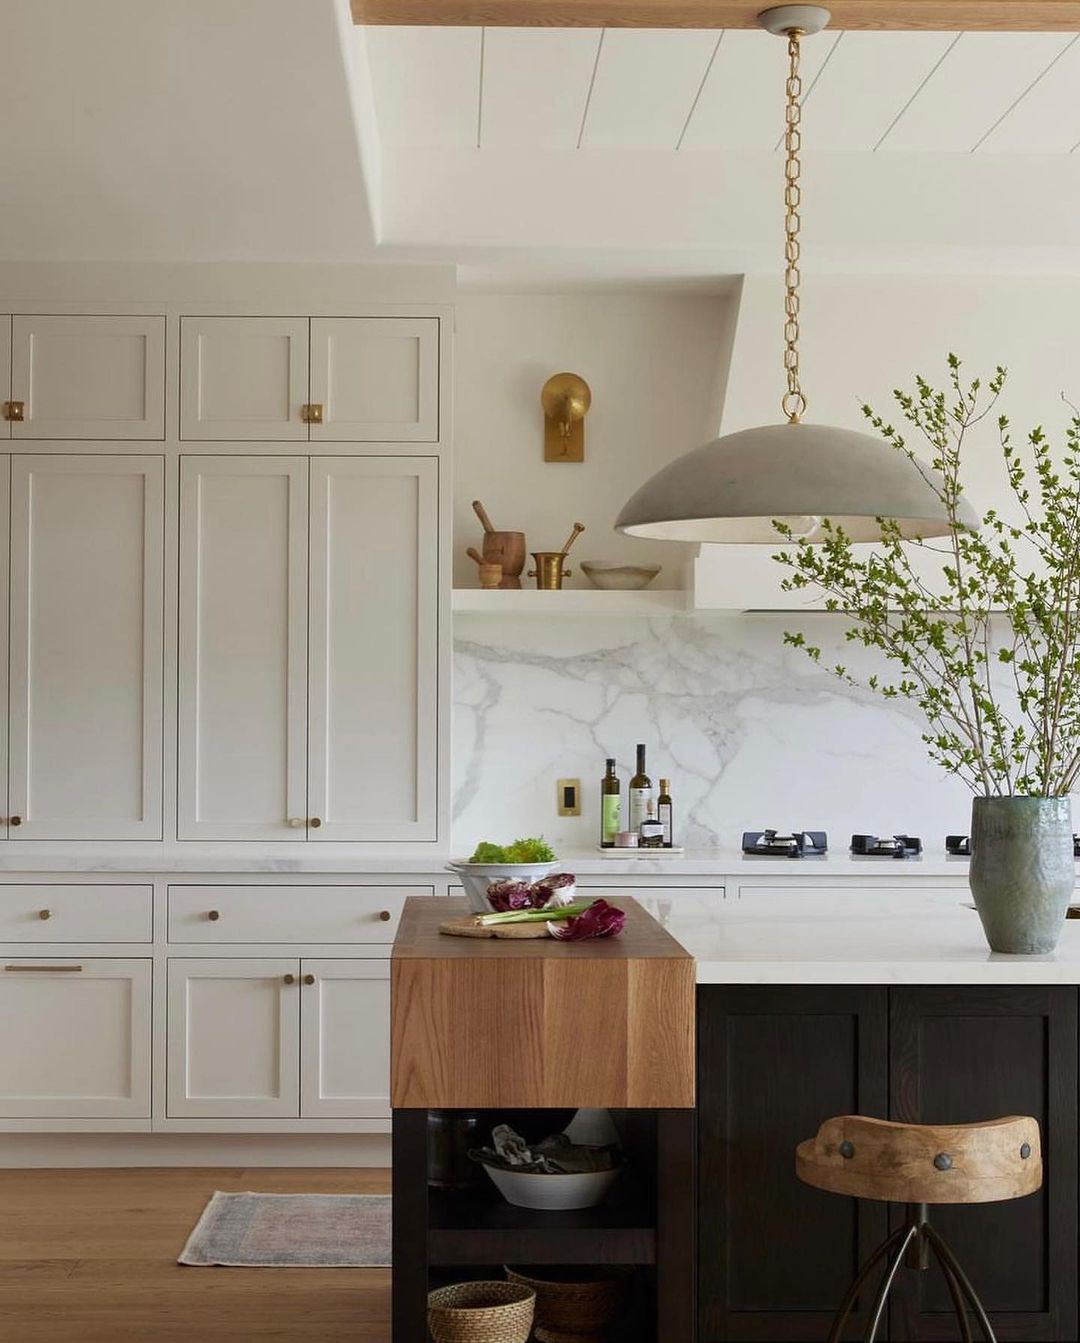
(534, 915)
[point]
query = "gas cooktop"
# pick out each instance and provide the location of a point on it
(777, 844)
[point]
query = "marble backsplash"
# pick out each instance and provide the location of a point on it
(750, 733)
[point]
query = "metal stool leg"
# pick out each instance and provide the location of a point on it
(846, 1306)
(910, 1234)
(947, 1258)
(959, 1304)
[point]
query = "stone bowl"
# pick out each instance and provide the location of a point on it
(615, 576)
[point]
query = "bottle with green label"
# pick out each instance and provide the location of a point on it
(610, 807)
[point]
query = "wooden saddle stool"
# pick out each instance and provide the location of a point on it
(920, 1165)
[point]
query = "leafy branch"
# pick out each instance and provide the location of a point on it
(990, 655)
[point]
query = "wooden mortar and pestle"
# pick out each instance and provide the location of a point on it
(549, 572)
(503, 548)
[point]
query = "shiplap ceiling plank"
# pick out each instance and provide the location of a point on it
(536, 82)
(945, 15)
(981, 77)
(1047, 119)
(426, 85)
(868, 82)
(645, 86)
(741, 106)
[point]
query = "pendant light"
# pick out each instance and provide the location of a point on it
(732, 489)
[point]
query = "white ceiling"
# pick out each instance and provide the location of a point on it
(275, 130)
(680, 90)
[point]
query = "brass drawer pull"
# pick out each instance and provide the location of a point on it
(213, 915)
(309, 979)
(15, 820)
(290, 979)
(385, 915)
(315, 823)
(41, 969)
(15, 411)
(44, 914)
(312, 412)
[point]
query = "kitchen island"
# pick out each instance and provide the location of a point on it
(812, 1004)
(508, 1027)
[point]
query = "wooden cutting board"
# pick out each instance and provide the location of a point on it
(468, 927)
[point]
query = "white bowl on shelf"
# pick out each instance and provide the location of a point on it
(617, 576)
(477, 877)
(553, 1193)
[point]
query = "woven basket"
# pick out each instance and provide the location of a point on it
(481, 1312)
(572, 1305)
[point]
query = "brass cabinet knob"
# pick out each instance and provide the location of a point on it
(213, 915)
(312, 412)
(290, 979)
(385, 915)
(309, 979)
(15, 820)
(44, 914)
(314, 823)
(14, 411)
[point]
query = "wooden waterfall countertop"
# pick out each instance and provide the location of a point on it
(484, 1023)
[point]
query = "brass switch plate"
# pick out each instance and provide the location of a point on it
(568, 797)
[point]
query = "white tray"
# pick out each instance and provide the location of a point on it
(641, 853)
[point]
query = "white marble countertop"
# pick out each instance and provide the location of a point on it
(715, 864)
(911, 939)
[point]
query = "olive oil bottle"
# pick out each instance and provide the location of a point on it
(610, 806)
(640, 792)
(665, 813)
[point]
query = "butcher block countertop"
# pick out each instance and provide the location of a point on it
(485, 1023)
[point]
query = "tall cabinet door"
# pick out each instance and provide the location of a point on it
(5, 371)
(86, 647)
(89, 377)
(243, 648)
(345, 1039)
(961, 1055)
(373, 665)
(243, 378)
(233, 1039)
(376, 378)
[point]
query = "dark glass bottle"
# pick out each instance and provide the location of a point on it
(640, 792)
(610, 806)
(666, 813)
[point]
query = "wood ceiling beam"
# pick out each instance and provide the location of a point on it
(949, 15)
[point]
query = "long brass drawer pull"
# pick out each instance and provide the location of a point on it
(41, 969)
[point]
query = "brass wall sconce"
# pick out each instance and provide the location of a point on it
(566, 399)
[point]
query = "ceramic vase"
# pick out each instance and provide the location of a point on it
(1023, 873)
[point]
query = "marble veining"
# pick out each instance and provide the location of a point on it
(751, 733)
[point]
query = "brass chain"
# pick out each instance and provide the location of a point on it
(794, 402)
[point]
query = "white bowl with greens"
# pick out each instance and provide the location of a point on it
(523, 860)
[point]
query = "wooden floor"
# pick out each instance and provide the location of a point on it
(89, 1256)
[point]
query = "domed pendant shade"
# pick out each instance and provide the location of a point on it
(737, 487)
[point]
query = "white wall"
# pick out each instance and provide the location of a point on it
(655, 364)
(753, 735)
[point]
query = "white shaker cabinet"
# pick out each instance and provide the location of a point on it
(373, 659)
(345, 1039)
(278, 1038)
(243, 647)
(5, 376)
(321, 379)
(376, 379)
(88, 377)
(243, 378)
(75, 1042)
(308, 648)
(86, 647)
(233, 1039)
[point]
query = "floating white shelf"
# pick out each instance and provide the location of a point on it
(570, 601)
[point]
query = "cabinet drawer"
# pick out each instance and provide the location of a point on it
(913, 892)
(76, 913)
(296, 914)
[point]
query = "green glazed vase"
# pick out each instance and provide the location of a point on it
(1022, 873)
